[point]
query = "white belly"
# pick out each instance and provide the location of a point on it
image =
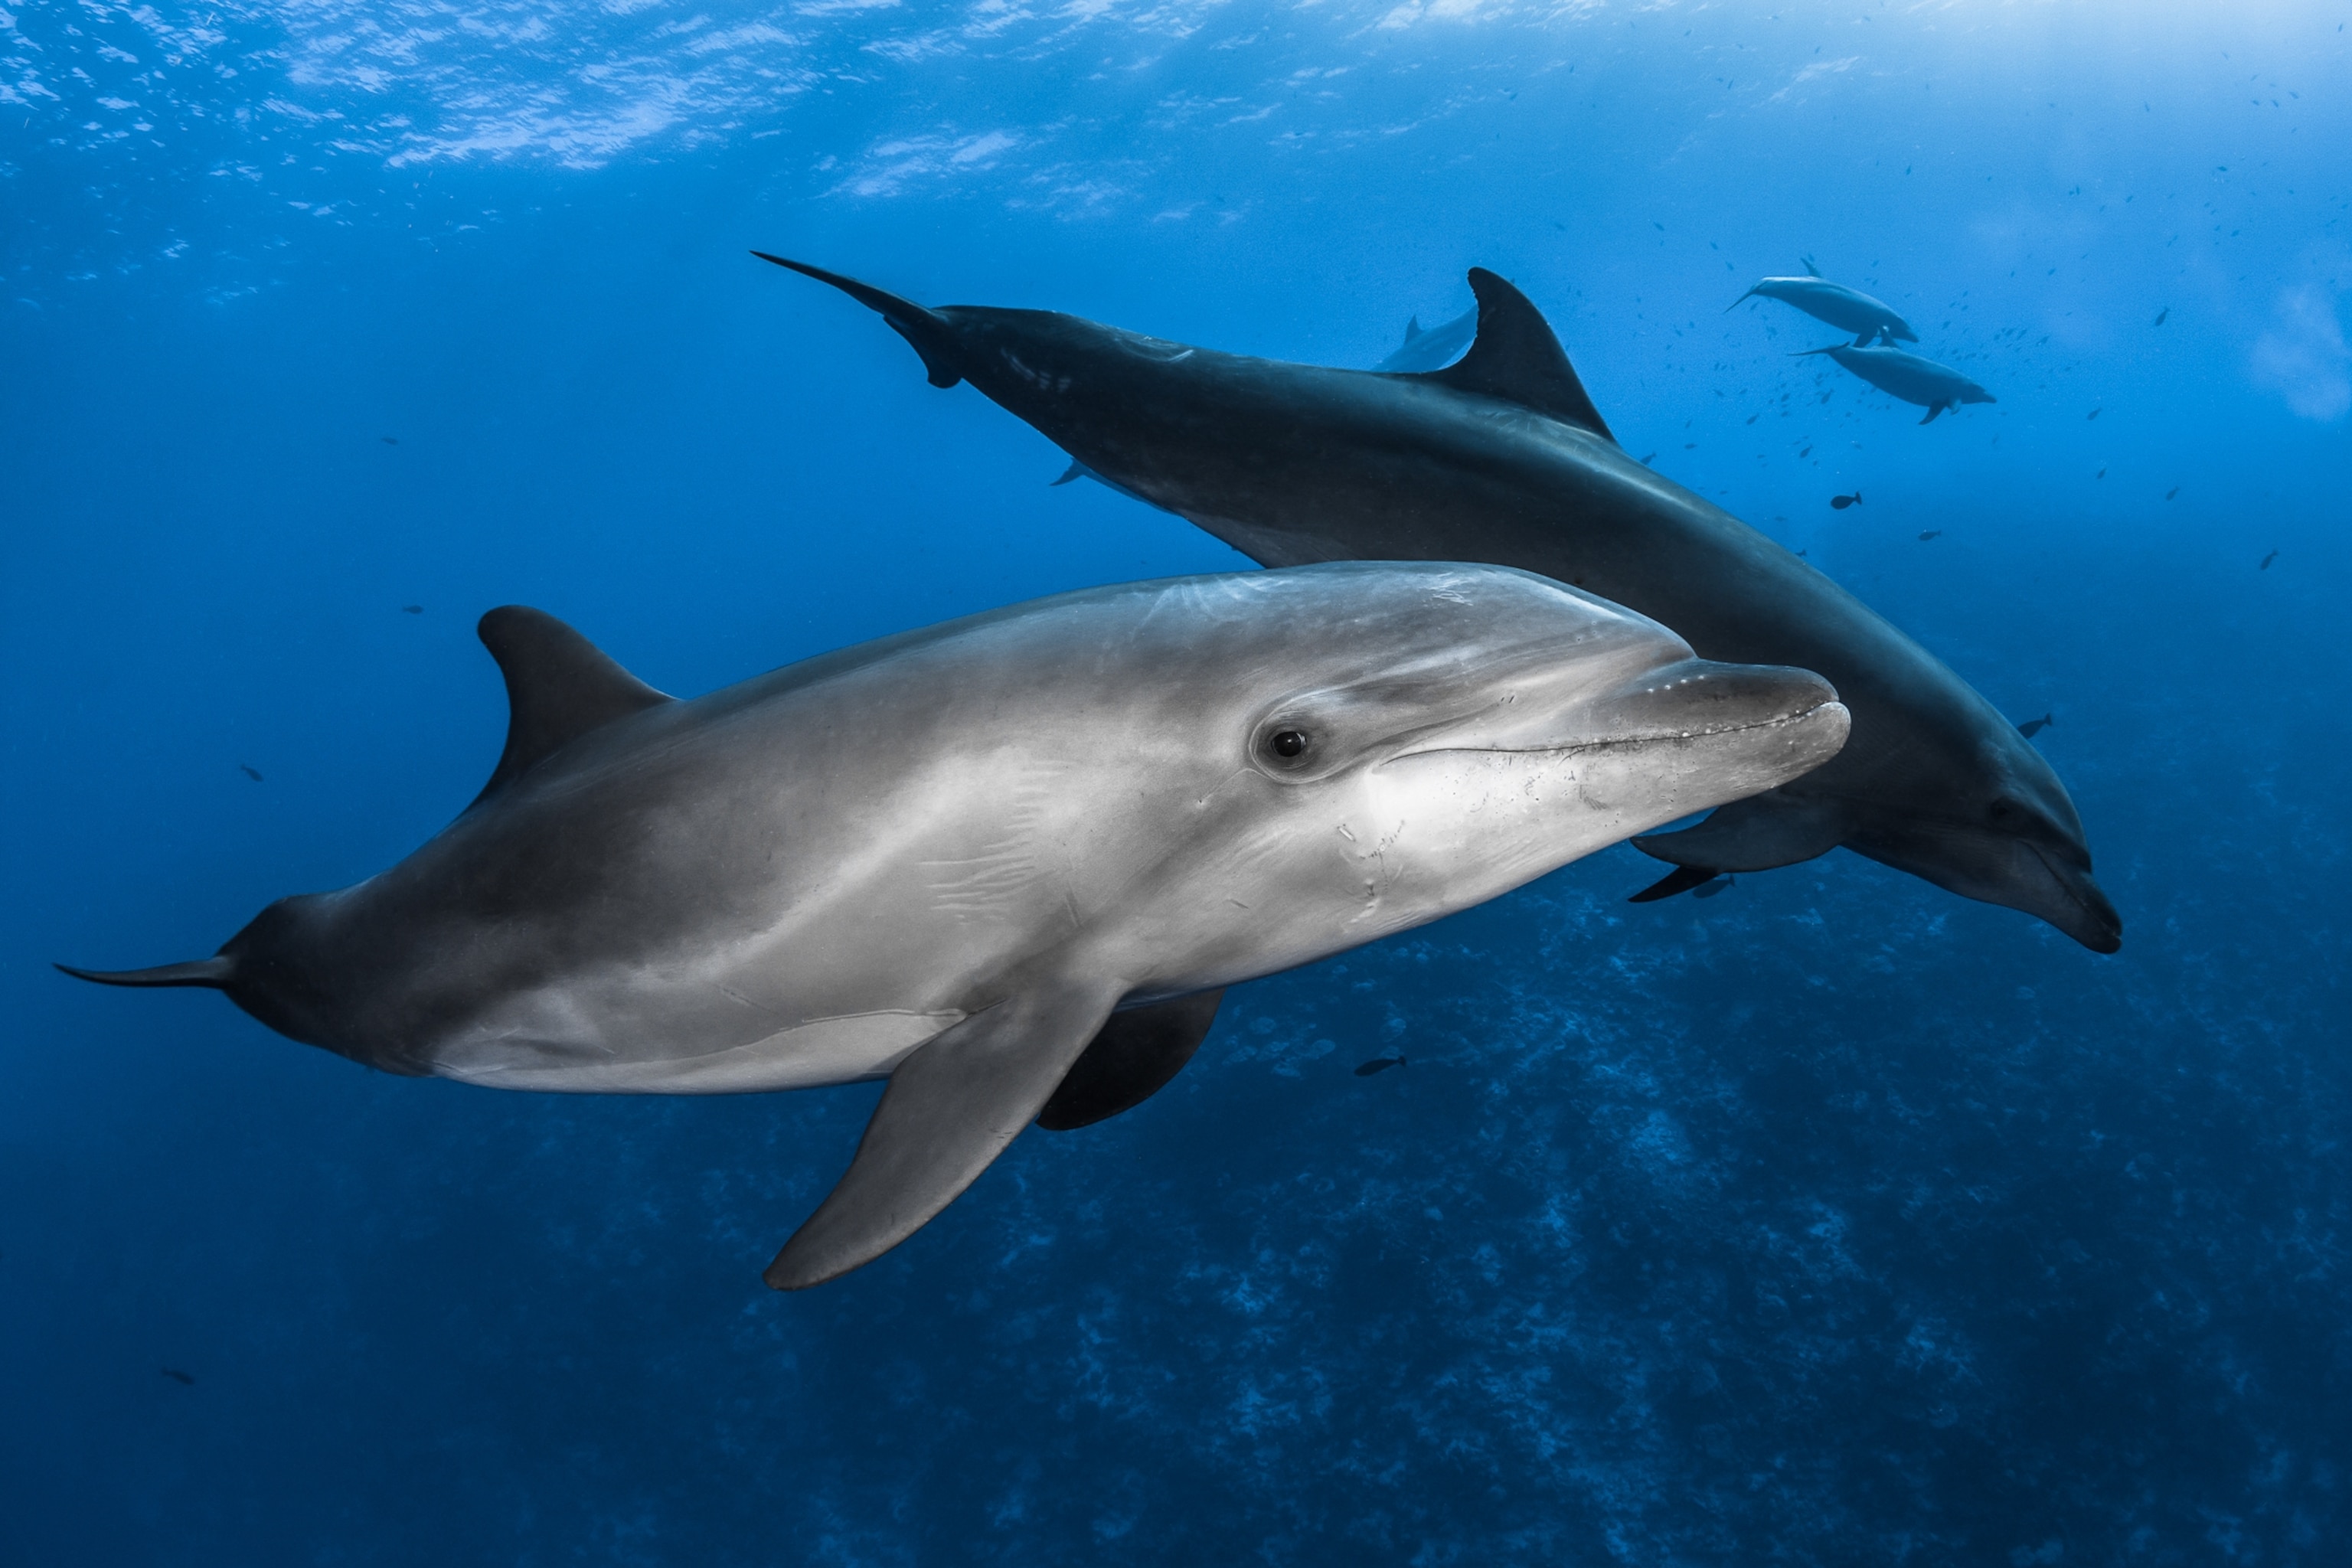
(821, 1052)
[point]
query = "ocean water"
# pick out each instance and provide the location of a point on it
(1835, 1220)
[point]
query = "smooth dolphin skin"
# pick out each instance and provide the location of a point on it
(1932, 387)
(1849, 310)
(1431, 348)
(946, 857)
(1503, 458)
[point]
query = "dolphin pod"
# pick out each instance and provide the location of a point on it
(1849, 310)
(1504, 458)
(949, 857)
(1908, 376)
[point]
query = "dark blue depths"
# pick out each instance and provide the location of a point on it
(1832, 1220)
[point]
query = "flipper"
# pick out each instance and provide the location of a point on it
(1681, 879)
(1933, 409)
(952, 1108)
(1516, 358)
(214, 972)
(1076, 471)
(559, 687)
(1137, 1054)
(928, 332)
(1752, 835)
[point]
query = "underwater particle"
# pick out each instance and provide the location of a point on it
(249, 770)
(1839, 503)
(2266, 561)
(1931, 534)
(1378, 1065)
(2161, 315)
(2173, 492)
(2101, 474)
(1708, 889)
(389, 440)
(176, 1376)
(411, 609)
(2033, 727)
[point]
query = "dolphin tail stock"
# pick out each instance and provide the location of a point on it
(214, 973)
(927, 331)
(950, 1109)
(1681, 879)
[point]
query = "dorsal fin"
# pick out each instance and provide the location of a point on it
(1516, 358)
(559, 686)
(1411, 327)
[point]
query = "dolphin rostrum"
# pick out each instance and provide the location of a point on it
(1504, 458)
(946, 857)
(1932, 387)
(1849, 310)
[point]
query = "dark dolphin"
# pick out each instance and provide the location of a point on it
(1871, 321)
(1933, 387)
(1504, 458)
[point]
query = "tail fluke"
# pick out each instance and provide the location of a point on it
(214, 972)
(1741, 301)
(926, 331)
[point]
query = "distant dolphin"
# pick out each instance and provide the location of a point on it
(1850, 310)
(1434, 348)
(1933, 386)
(946, 857)
(1503, 458)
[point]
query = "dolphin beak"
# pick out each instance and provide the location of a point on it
(2014, 873)
(1693, 697)
(2082, 910)
(930, 334)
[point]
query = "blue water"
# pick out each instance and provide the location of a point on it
(1835, 1220)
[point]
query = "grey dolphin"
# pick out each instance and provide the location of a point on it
(946, 857)
(1851, 310)
(1504, 458)
(1431, 348)
(1932, 387)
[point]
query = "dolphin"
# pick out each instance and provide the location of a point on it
(1503, 458)
(1433, 348)
(947, 858)
(1933, 386)
(1851, 310)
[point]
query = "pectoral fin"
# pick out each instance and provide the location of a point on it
(950, 1108)
(1752, 835)
(1137, 1054)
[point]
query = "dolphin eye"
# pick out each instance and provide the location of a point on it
(1288, 743)
(2004, 809)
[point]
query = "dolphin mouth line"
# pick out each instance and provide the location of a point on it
(2064, 878)
(1617, 742)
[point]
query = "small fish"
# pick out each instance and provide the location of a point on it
(389, 440)
(2266, 561)
(1379, 1064)
(176, 1376)
(2103, 473)
(2033, 727)
(1839, 503)
(249, 770)
(2093, 413)
(2161, 315)
(1752, 418)
(2173, 492)
(1931, 534)
(1647, 456)
(411, 609)
(1708, 889)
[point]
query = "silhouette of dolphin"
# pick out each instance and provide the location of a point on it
(1431, 348)
(1933, 386)
(946, 857)
(1850, 310)
(1504, 458)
